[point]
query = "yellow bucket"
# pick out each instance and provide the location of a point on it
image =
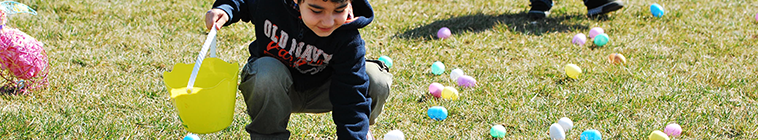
(210, 106)
(213, 85)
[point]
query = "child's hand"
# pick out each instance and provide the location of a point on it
(216, 16)
(350, 16)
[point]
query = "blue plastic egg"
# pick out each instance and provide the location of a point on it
(601, 39)
(438, 68)
(497, 131)
(437, 113)
(387, 60)
(191, 136)
(657, 10)
(591, 134)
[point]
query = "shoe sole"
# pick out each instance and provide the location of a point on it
(538, 14)
(605, 8)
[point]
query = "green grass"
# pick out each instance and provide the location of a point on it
(696, 66)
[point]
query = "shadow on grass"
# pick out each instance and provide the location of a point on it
(9, 90)
(515, 22)
(564, 81)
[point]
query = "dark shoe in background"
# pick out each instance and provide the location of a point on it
(601, 7)
(539, 10)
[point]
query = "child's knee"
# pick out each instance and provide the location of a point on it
(264, 75)
(380, 81)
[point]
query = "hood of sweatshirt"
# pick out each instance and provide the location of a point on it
(363, 13)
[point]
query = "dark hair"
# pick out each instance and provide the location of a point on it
(337, 1)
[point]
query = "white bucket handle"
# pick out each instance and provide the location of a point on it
(210, 43)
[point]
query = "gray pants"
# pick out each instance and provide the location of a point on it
(271, 98)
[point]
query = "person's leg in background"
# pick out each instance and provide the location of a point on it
(601, 7)
(265, 85)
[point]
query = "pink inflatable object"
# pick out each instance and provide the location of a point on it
(444, 33)
(596, 31)
(579, 39)
(23, 61)
(436, 89)
(466, 81)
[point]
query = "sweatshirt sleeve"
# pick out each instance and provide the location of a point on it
(237, 9)
(349, 92)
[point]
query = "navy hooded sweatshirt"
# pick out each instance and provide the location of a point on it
(313, 60)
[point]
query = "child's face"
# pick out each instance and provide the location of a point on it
(323, 17)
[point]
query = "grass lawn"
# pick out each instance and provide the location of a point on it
(695, 66)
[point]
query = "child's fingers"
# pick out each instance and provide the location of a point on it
(209, 19)
(216, 16)
(220, 22)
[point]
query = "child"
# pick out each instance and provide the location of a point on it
(308, 56)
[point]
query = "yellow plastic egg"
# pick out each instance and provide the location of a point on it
(450, 93)
(573, 71)
(658, 135)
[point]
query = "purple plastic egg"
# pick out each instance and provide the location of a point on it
(436, 89)
(596, 31)
(579, 39)
(466, 81)
(444, 33)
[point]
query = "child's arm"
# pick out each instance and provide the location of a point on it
(226, 12)
(349, 91)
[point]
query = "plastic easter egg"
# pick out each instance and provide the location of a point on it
(591, 134)
(497, 131)
(466, 81)
(601, 39)
(658, 135)
(444, 33)
(573, 71)
(756, 17)
(657, 10)
(191, 136)
(616, 58)
(394, 135)
(456, 73)
(450, 93)
(673, 130)
(387, 60)
(556, 132)
(579, 39)
(437, 113)
(596, 31)
(566, 124)
(438, 68)
(436, 89)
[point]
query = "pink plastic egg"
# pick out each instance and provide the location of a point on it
(673, 130)
(596, 31)
(444, 33)
(436, 89)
